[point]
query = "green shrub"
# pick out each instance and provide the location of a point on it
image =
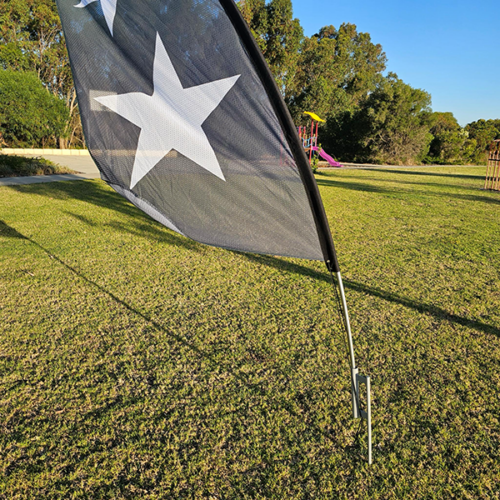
(29, 115)
(19, 166)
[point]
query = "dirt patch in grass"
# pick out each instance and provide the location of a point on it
(20, 166)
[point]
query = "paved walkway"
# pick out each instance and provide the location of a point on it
(84, 165)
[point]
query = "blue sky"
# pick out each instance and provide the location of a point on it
(449, 48)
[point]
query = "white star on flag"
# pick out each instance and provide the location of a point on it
(171, 118)
(108, 9)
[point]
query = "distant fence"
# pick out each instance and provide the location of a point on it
(492, 181)
(41, 152)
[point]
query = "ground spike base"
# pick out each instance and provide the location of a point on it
(357, 411)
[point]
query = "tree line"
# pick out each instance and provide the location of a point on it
(338, 73)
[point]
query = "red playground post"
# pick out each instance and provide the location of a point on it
(312, 143)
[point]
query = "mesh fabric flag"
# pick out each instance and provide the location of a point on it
(182, 118)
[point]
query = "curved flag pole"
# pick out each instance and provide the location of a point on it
(313, 195)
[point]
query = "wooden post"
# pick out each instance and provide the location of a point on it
(496, 162)
(492, 180)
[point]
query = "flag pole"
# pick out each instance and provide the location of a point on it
(312, 190)
(356, 378)
(354, 369)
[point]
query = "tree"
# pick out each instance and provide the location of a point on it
(31, 38)
(29, 115)
(484, 132)
(388, 127)
(279, 36)
(337, 70)
(255, 14)
(451, 143)
(283, 37)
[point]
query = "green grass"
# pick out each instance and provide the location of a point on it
(135, 363)
(17, 166)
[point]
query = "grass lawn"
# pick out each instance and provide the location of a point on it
(16, 166)
(135, 363)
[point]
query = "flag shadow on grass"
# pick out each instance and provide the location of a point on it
(370, 188)
(7, 231)
(90, 191)
(416, 172)
(428, 184)
(432, 174)
(94, 192)
(435, 311)
(298, 407)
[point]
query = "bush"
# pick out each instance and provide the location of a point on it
(17, 166)
(29, 115)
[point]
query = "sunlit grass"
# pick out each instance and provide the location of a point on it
(136, 363)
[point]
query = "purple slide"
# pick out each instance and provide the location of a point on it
(327, 157)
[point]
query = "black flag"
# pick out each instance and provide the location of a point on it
(183, 118)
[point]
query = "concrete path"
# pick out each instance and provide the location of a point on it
(84, 165)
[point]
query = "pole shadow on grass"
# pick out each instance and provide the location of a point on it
(435, 311)
(296, 408)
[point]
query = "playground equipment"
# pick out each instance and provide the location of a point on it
(492, 180)
(310, 142)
